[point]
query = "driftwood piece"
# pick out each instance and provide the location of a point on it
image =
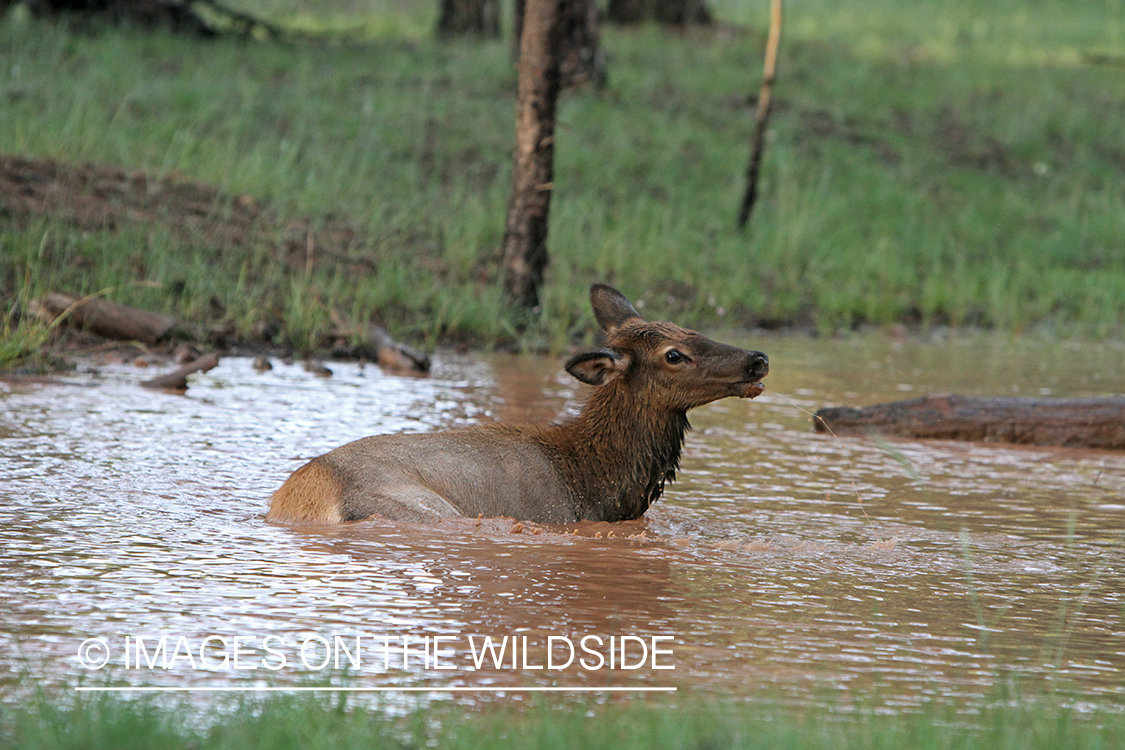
(105, 318)
(1078, 422)
(378, 345)
(177, 381)
(395, 356)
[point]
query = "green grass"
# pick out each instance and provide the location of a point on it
(326, 722)
(22, 341)
(946, 162)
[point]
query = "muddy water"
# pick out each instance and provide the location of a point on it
(782, 562)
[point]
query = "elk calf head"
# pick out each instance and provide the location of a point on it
(667, 367)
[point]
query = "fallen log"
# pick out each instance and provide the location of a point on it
(107, 319)
(177, 381)
(1078, 422)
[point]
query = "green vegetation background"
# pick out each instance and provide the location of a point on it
(941, 162)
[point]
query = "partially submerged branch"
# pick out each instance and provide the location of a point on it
(177, 381)
(378, 345)
(395, 356)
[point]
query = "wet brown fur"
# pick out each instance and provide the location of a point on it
(608, 463)
(312, 493)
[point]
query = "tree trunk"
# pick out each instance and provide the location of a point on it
(671, 12)
(765, 100)
(581, 59)
(525, 234)
(1082, 422)
(464, 17)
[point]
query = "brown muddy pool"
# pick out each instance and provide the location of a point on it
(781, 563)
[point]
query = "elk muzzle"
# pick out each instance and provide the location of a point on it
(757, 367)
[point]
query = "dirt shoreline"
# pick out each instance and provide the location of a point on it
(96, 197)
(92, 197)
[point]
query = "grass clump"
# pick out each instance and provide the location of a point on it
(22, 336)
(22, 341)
(946, 162)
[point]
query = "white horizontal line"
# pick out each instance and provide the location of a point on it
(434, 689)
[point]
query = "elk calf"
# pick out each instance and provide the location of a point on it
(608, 463)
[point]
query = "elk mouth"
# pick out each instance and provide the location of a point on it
(757, 368)
(750, 389)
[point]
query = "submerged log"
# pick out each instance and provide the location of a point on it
(1078, 422)
(107, 319)
(177, 381)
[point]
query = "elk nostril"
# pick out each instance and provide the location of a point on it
(759, 364)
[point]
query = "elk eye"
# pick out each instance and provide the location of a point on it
(673, 357)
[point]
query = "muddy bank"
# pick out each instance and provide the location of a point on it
(98, 198)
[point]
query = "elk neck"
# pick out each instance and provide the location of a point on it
(617, 453)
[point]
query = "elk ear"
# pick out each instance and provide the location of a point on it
(611, 307)
(597, 368)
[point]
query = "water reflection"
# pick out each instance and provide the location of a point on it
(782, 560)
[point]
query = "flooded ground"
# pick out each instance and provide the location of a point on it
(782, 562)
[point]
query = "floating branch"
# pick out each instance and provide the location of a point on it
(177, 381)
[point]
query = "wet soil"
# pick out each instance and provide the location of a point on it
(97, 197)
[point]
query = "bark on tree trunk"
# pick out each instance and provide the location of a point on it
(462, 17)
(581, 59)
(1084, 422)
(525, 234)
(671, 12)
